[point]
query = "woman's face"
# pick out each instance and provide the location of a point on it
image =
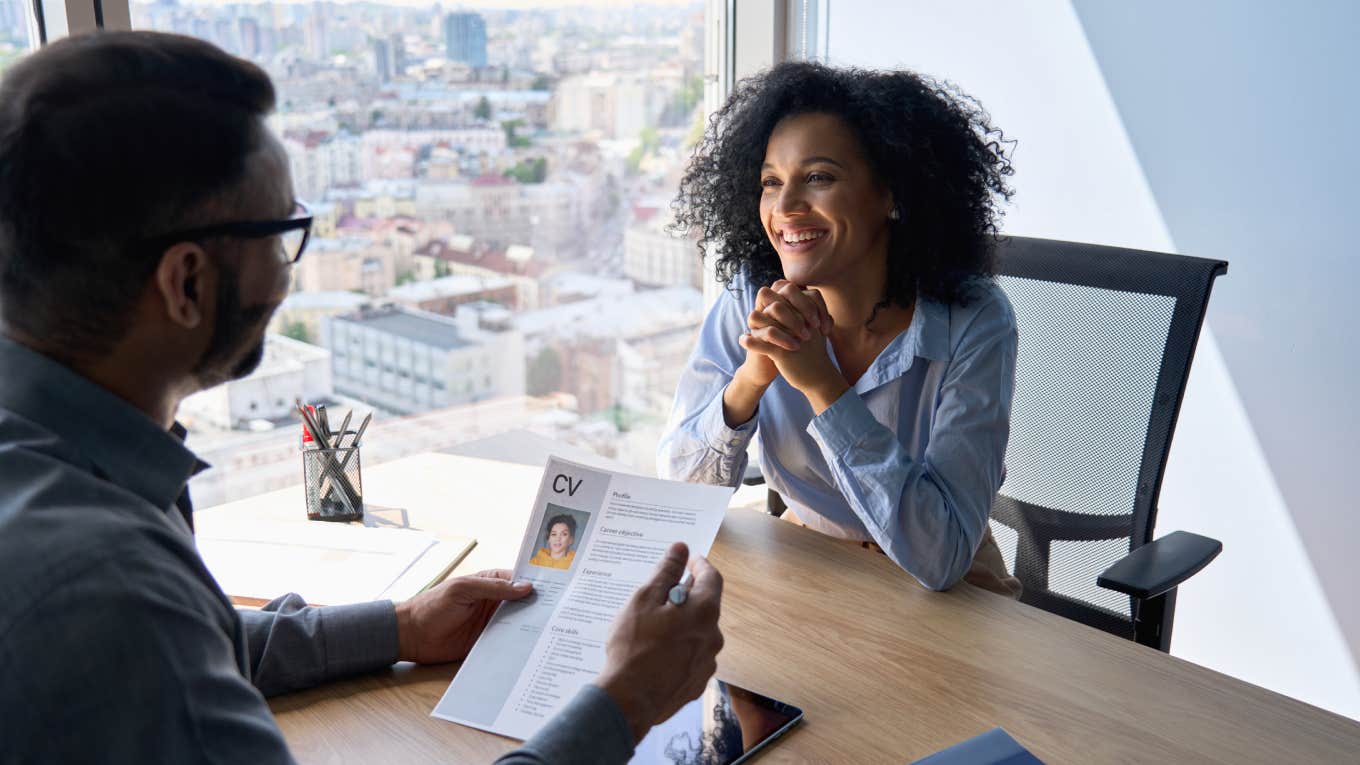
(559, 539)
(822, 208)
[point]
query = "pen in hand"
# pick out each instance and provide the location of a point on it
(680, 592)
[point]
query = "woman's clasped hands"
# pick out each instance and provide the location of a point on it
(787, 337)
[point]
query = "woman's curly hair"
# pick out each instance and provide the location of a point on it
(928, 142)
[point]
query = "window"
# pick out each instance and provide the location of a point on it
(524, 163)
(16, 30)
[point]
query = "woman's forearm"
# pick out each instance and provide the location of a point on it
(740, 399)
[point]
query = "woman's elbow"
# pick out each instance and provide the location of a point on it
(946, 572)
(940, 582)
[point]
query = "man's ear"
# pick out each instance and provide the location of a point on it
(182, 282)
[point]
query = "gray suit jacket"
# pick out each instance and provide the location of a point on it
(117, 645)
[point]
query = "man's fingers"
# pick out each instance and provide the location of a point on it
(490, 588)
(708, 583)
(666, 575)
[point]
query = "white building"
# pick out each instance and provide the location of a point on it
(618, 350)
(410, 361)
(290, 370)
(611, 105)
(655, 257)
(307, 309)
(572, 286)
(547, 216)
(320, 162)
(444, 295)
(348, 264)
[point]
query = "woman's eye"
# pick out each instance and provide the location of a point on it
(819, 178)
(769, 182)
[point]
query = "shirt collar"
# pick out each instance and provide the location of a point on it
(125, 445)
(927, 337)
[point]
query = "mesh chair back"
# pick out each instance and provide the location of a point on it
(1106, 339)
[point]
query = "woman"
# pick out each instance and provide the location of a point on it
(559, 539)
(854, 216)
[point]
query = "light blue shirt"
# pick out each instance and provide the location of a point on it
(911, 457)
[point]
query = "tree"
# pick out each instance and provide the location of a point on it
(483, 110)
(441, 269)
(298, 331)
(405, 277)
(513, 140)
(544, 373)
(531, 170)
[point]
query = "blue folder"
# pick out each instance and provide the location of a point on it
(995, 747)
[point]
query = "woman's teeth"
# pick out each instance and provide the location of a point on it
(802, 236)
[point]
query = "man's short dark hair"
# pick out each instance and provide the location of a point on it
(106, 140)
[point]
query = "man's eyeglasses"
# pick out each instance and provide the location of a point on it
(293, 233)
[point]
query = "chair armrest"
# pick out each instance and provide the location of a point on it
(1161, 565)
(753, 476)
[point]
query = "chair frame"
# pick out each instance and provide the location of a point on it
(1189, 281)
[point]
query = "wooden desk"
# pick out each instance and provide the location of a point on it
(886, 671)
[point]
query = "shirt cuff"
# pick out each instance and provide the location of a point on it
(589, 729)
(839, 428)
(719, 434)
(359, 637)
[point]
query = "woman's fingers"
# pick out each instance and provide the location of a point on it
(777, 337)
(783, 317)
(755, 344)
(812, 309)
(823, 312)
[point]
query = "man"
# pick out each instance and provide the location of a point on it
(147, 229)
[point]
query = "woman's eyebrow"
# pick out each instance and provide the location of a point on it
(809, 161)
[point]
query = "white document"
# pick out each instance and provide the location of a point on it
(326, 563)
(537, 653)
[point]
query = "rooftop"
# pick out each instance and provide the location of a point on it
(617, 315)
(324, 299)
(448, 286)
(417, 326)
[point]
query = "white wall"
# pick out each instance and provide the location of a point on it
(1258, 612)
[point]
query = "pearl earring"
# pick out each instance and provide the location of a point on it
(895, 214)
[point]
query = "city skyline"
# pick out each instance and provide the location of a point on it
(499, 179)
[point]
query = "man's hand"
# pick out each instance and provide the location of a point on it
(660, 655)
(441, 625)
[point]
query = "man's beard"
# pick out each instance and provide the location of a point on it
(234, 350)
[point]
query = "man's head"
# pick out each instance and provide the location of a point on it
(110, 146)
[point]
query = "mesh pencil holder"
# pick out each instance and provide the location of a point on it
(334, 486)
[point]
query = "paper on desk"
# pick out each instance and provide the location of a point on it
(326, 563)
(537, 653)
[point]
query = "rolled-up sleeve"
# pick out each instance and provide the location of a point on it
(698, 445)
(294, 645)
(929, 515)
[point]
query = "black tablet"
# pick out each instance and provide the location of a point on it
(724, 726)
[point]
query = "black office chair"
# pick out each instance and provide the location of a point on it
(1107, 336)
